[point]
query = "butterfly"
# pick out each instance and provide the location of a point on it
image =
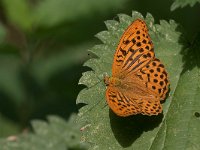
(139, 81)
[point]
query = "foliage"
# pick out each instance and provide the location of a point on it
(38, 75)
(57, 134)
(183, 3)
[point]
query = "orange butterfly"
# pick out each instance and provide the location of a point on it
(139, 80)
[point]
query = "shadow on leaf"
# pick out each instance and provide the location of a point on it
(127, 130)
(191, 53)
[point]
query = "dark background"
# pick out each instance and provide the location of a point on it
(43, 45)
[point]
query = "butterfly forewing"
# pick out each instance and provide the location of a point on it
(155, 77)
(135, 49)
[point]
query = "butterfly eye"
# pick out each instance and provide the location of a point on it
(106, 80)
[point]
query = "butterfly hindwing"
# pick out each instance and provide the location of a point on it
(120, 103)
(151, 107)
(124, 105)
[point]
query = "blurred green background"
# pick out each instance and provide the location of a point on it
(44, 43)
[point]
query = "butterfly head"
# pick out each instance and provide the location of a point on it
(106, 80)
(111, 81)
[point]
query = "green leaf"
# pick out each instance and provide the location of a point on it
(182, 121)
(9, 78)
(183, 3)
(47, 14)
(43, 69)
(57, 134)
(19, 13)
(2, 33)
(175, 129)
(7, 127)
